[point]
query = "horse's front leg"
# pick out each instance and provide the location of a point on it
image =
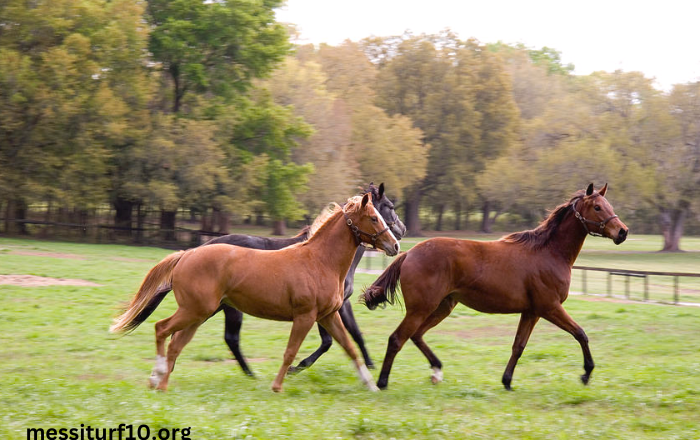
(335, 327)
(300, 328)
(348, 318)
(561, 319)
(527, 323)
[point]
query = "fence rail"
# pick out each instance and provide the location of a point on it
(628, 274)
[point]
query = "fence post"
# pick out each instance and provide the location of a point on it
(675, 289)
(583, 278)
(609, 283)
(627, 287)
(646, 288)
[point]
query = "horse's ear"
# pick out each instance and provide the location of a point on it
(589, 190)
(365, 199)
(381, 190)
(603, 190)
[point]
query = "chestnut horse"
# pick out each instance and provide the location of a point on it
(526, 272)
(234, 318)
(302, 283)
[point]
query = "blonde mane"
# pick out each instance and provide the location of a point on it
(333, 209)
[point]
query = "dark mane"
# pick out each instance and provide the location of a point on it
(539, 237)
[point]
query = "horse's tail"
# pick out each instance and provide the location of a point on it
(376, 294)
(155, 286)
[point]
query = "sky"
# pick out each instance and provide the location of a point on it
(659, 38)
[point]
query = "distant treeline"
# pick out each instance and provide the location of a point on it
(206, 111)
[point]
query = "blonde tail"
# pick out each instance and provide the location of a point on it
(159, 277)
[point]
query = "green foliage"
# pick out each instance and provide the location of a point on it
(215, 47)
(283, 184)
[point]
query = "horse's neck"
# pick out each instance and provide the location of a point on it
(569, 238)
(335, 243)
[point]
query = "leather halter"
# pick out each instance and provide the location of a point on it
(358, 233)
(584, 221)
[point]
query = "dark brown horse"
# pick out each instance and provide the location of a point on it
(526, 272)
(302, 283)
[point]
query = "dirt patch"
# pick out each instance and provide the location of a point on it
(49, 254)
(35, 281)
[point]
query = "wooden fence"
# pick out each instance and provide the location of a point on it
(629, 274)
(374, 262)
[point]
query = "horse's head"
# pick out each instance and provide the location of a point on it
(597, 216)
(369, 227)
(385, 207)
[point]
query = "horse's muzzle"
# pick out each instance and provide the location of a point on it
(392, 250)
(621, 236)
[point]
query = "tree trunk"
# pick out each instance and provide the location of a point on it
(20, 216)
(458, 217)
(438, 222)
(672, 222)
(140, 221)
(486, 222)
(222, 221)
(412, 222)
(280, 227)
(123, 215)
(167, 225)
(15, 212)
(207, 223)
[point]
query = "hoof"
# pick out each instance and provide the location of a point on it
(370, 366)
(436, 377)
(585, 378)
(154, 380)
(372, 387)
(294, 370)
(276, 389)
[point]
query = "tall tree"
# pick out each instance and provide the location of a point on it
(679, 185)
(74, 89)
(459, 94)
(217, 47)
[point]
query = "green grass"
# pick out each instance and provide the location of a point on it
(59, 366)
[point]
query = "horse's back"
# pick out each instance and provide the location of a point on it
(489, 276)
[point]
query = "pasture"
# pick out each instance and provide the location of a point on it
(60, 368)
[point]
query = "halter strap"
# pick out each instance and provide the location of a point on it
(584, 221)
(358, 233)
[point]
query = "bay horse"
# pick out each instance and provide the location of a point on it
(525, 272)
(302, 283)
(233, 318)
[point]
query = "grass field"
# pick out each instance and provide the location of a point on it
(60, 368)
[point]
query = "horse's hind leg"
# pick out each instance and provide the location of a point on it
(444, 309)
(232, 336)
(527, 323)
(300, 328)
(334, 325)
(411, 322)
(177, 343)
(561, 319)
(180, 320)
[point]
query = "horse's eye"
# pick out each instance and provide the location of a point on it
(374, 219)
(596, 207)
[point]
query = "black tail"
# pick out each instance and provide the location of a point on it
(376, 294)
(152, 305)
